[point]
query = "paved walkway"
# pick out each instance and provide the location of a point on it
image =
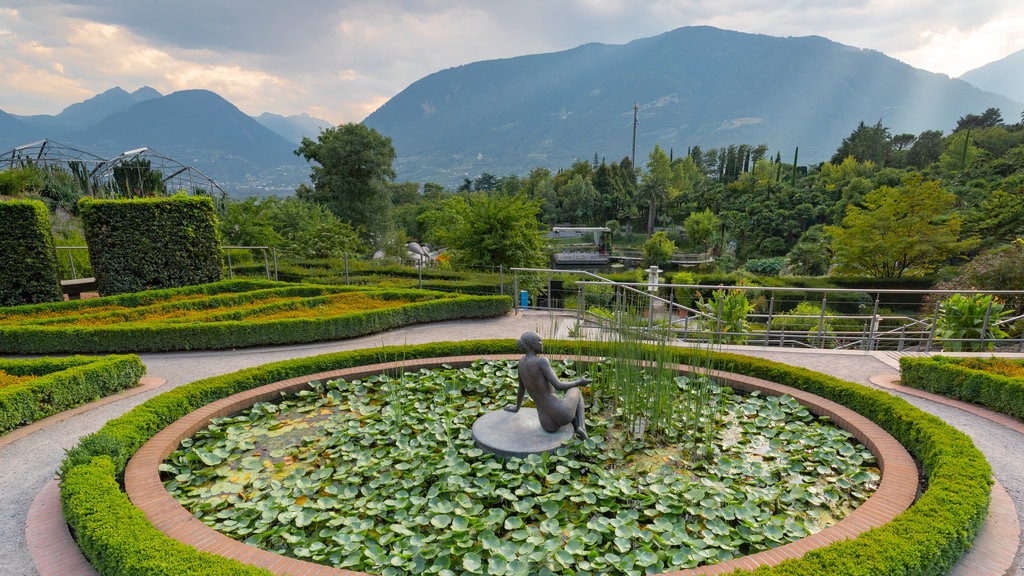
(30, 457)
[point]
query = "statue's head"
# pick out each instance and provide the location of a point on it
(530, 341)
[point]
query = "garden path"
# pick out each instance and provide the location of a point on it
(30, 457)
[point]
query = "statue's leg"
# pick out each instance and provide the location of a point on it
(578, 422)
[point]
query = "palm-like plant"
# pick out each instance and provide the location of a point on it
(965, 322)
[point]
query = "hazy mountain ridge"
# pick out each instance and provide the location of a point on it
(198, 128)
(695, 86)
(1004, 76)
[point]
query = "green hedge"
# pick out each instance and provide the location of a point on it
(28, 260)
(232, 333)
(925, 540)
(947, 376)
(150, 243)
(63, 383)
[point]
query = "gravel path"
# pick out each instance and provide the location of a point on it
(28, 460)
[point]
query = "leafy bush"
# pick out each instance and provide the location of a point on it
(765, 266)
(151, 243)
(974, 380)
(658, 250)
(971, 318)
(808, 319)
(62, 383)
(927, 539)
(28, 260)
(724, 316)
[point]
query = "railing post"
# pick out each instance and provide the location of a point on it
(931, 332)
(821, 322)
(231, 271)
(874, 324)
(580, 302)
(768, 326)
(515, 290)
(984, 323)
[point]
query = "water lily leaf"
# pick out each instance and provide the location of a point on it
(441, 520)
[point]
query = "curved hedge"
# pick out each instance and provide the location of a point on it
(947, 376)
(62, 383)
(927, 539)
(228, 332)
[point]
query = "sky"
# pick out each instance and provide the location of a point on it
(339, 60)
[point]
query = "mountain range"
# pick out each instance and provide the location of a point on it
(694, 86)
(198, 128)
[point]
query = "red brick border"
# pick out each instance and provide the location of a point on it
(896, 491)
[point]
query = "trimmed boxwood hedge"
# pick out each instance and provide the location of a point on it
(925, 540)
(155, 336)
(63, 383)
(28, 260)
(947, 376)
(145, 243)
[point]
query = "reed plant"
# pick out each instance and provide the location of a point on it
(640, 384)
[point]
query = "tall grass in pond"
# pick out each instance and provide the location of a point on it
(640, 382)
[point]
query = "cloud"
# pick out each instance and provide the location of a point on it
(341, 59)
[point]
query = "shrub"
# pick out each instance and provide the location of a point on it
(927, 539)
(971, 318)
(765, 266)
(62, 383)
(229, 317)
(724, 316)
(28, 260)
(151, 243)
(972, 380)
(808, 319)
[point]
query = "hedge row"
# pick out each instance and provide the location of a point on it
(949, 377)
(925, 540)
(63, 383)
(28, 260)
(240, 333)
(140, 244)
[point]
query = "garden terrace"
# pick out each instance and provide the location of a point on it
(228, 314)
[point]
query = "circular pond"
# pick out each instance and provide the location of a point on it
(380, 474)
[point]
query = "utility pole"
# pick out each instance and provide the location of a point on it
(632, 158)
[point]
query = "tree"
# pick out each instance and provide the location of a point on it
(489, 230)
(904, 230)
(988, 119)
(351, 165)
(998, 220)
(656, 185)
(703, 228)
(658, 250)
(865, 143)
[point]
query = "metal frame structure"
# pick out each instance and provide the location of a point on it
(175, 176)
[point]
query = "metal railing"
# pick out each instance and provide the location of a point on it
(268, 254)
(845, 319)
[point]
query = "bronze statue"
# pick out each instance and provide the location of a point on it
(538, 380)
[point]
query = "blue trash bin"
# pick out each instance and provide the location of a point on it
(524, 298)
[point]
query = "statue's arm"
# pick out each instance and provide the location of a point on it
(520, 394)
(557, 384)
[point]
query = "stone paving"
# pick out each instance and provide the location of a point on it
(34, 541)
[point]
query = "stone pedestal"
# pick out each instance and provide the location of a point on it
(517, 434)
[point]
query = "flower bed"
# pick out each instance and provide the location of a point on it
(996, 383)
(927, 539)
(230, 314)
(34, 389)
